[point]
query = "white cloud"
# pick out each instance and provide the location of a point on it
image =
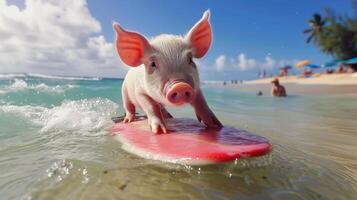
(55, 37)
(269, 63)
(220, 62)
(244, 63)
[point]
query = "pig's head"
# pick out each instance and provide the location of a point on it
(171, 75)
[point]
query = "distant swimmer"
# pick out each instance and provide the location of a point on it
(260, 93)
(277, 90)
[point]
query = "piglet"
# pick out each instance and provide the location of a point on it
(163, 73)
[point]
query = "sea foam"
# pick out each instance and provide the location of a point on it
(20, 85)
(88, 116)
(64, 77)
(10, 76)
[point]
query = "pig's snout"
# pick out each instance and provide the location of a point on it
(180, 93)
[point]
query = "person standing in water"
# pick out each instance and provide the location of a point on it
(277, 90)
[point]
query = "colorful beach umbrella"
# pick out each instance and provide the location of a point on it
(333, 63)
(302, 63)
(351, 61)
(312, 66)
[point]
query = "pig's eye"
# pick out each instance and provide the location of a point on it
(153, 64)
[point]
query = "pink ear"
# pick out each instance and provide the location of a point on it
(200, 36)
(130, 46)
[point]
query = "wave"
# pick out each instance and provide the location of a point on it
(17, 85)
(87, 116)
(20, 85)
(43, 76)
(64, 77)
(12, 76)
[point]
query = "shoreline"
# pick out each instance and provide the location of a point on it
(322, 84)
(317, 79)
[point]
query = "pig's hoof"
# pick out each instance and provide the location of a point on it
(129, 118)
(157, 126)
(211, 122)
(213, 125)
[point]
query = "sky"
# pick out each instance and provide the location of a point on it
(76, 37)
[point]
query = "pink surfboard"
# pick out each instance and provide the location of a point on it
(189, 142)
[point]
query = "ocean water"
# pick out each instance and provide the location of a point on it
(54, 144)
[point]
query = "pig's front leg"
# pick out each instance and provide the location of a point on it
(153, 112)
(128, 106)
(129, 114)
(204, 113)
(166, 113)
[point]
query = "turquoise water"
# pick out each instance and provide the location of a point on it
(54, 144)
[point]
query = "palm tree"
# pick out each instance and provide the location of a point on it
(316, 28)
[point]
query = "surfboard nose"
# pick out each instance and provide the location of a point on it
(180, 93)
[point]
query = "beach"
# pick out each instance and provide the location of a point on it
(317, 79)
(321, 84)
(55, 144)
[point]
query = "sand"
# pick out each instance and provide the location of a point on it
(318, 84)
(318, 79)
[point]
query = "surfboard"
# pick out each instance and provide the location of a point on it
(189, 142)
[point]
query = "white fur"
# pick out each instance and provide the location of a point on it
(171, 52)
(166, 60)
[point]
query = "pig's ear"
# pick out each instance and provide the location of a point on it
(131, 46)
(200, 36)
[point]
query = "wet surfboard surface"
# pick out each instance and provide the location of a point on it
(189, 142)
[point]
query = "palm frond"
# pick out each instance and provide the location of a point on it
(308, 30)
(311, 37)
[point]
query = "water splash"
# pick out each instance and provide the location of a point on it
(59, 170)
(86, 116)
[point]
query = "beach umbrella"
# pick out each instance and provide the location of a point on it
(333, 63)
(302, 63)
(351, 61)
(312, 66)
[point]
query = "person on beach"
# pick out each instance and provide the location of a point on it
(277, 90)
(340, 69)
(352, 68)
